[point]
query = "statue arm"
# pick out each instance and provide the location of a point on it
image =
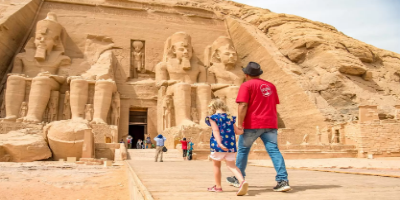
(210, 76)
(18, 65)
(202, 74)
(65, 63)
(161, 74)
(218, 86)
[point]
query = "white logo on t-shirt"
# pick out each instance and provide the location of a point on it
(265, 90)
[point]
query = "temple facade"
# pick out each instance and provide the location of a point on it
(90, 73)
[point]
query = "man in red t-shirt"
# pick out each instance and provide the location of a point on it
(184, 147)
(257, 115)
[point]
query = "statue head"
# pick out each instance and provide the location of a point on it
(47, 36)
(222, 51)
(137, 45)
(179, 46)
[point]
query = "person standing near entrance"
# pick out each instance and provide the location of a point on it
(160, 139)
(257, 116)
(148, 142)
(139, 144)
(129, 141)
(184, 148)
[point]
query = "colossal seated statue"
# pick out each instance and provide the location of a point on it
(179, 72)
(224, 74)
(43, 63)
(98, 61)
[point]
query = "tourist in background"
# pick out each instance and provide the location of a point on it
(223, 144)
(122, 141)
(148, 142)
(190, 149)
(160, 139)
(129, 141)
(139, 144)
(184, 148)
(144, 144)
(257, 116)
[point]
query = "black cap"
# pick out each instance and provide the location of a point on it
(253, 69)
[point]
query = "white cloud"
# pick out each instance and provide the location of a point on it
(375, 22)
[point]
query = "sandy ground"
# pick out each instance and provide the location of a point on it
(55, 180)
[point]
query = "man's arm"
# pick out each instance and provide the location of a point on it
(242, 111)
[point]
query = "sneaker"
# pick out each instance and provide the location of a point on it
(233, 181)
(282, 186)
(243, 189)
(214, 189)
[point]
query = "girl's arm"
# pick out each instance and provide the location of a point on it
(237, 130)
(217, 135)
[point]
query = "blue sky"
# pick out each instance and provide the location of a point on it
(376, 22)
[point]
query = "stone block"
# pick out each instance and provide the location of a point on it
(71, 159)
(108, 163)
(87, 159)
(88, 144)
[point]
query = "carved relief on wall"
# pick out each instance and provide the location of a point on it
(137, 58)
(167, 112)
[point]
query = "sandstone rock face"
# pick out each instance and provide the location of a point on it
(66, 138)
(23, 146)
(158, 64)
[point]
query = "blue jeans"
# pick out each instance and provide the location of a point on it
(270, 139)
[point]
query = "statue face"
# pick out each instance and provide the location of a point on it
(45, 41)
(181, 51)
(227, 56)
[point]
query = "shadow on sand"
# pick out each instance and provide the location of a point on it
(256, 190)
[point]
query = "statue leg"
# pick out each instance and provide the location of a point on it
(182, 102)
(203, 98)
(78, 98)
(39, 97)
(15, 95)
(102, 100)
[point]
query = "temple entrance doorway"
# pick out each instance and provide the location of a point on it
(137, 125)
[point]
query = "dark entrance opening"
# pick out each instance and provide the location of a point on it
(137, 125)
(137, 132)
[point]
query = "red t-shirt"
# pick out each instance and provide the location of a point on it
(262, 98)
(184, 145)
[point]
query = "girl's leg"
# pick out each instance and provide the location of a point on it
(236, 171)
(217, 173)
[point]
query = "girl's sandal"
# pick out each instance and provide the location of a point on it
(214, 189)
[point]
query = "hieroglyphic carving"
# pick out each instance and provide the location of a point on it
(24, 109)
(89, 112)
(159, 17)
(67, 106)
(53, 106)
(195, 115)
(102, 131)
(138, 56)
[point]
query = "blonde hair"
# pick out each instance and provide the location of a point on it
(217, 104)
